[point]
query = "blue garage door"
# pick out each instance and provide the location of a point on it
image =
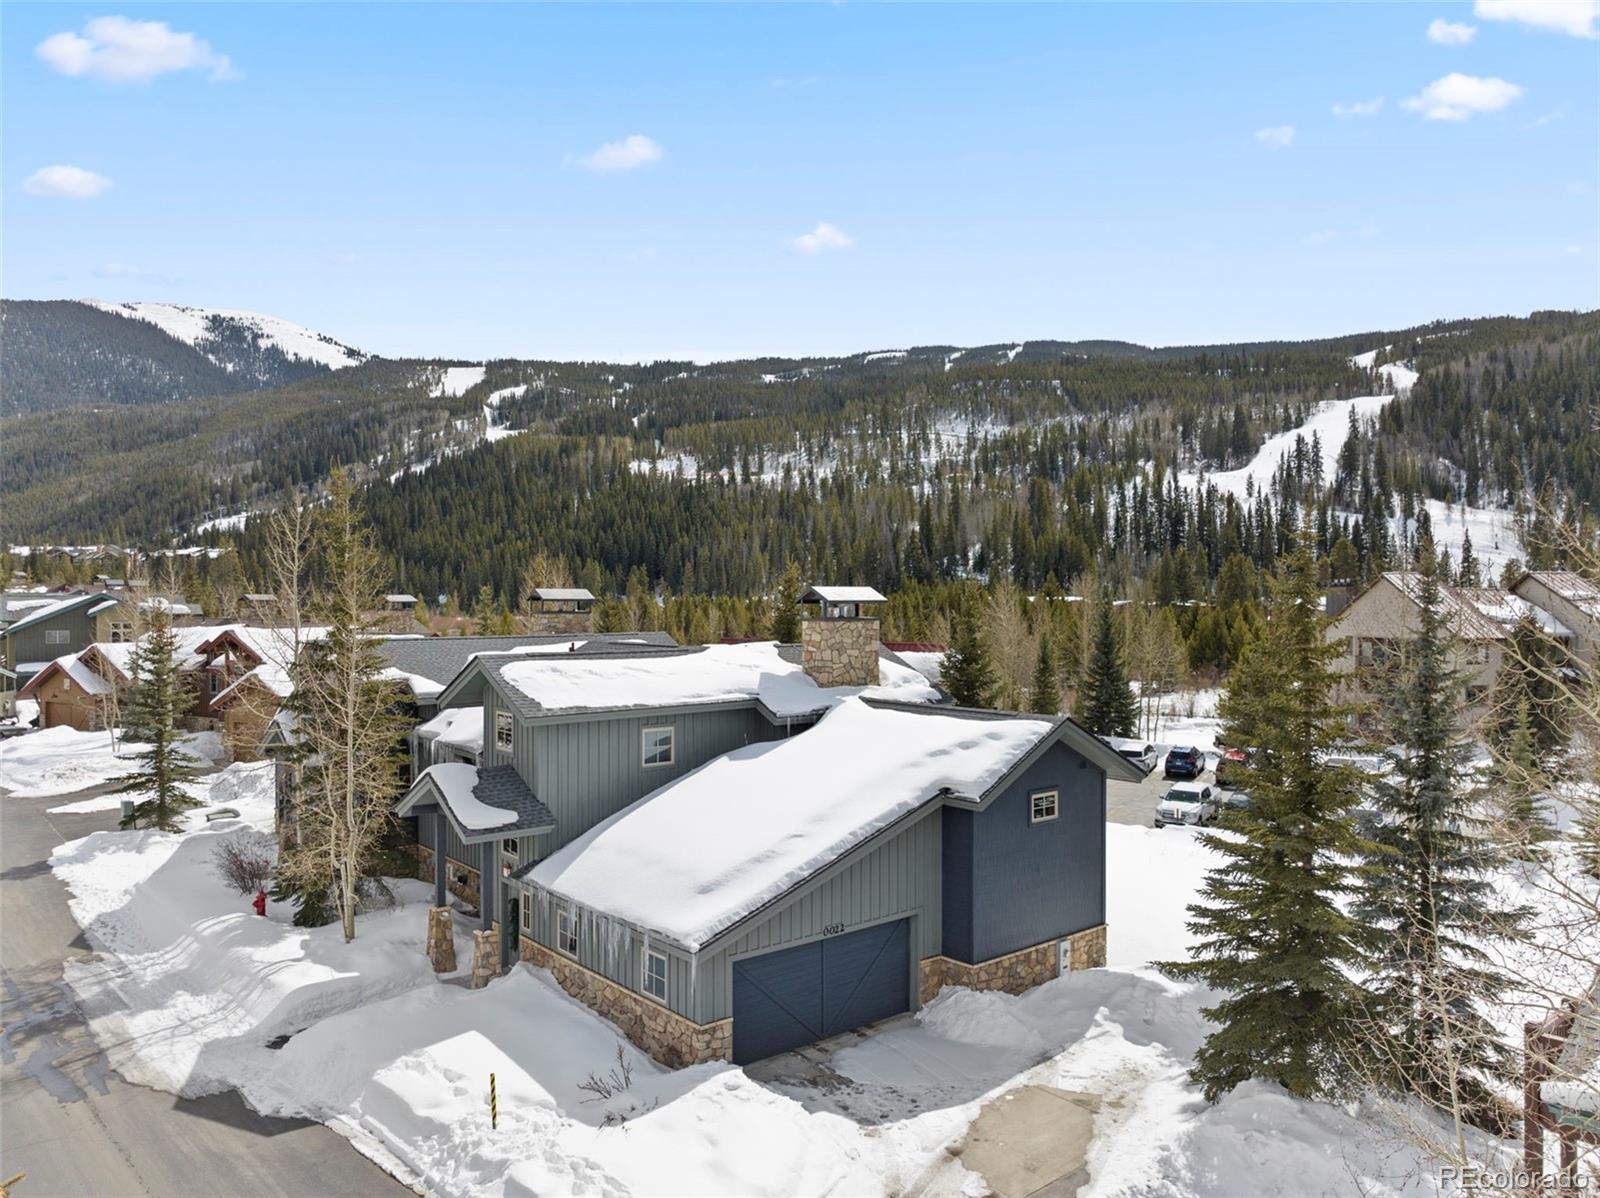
(791, 997)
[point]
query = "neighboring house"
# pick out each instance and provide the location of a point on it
(65, 625)
(1373, 628)
(733, 850)
(926, 657)
(560, 609)
(1573, 600)
(238, 675)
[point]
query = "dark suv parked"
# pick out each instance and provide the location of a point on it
(1185, 761)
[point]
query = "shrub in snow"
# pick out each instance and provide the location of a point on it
(244, 860)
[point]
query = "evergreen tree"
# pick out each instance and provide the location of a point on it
(1106, 705)
(966, 670)
(1273, 936)
(1044, 693)
(785, 627)
(1523, 784)
(1467, 572)
(159, 699)
(1427, 894)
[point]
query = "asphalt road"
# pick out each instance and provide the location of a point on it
(74, 1127)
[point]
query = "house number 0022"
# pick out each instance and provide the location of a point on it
(833, 929)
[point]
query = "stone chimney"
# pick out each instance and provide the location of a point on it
(839, 645)
(560, 610)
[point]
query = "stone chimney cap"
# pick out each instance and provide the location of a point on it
(826, 594)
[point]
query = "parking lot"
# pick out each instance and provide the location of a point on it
(1135, 802)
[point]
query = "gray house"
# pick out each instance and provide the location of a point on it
(51, 626)
(733, 850)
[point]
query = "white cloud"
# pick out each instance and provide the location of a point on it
(123, 51)
(1278, 137)
(1370, 107)
(823, 237)
(1576, 17)
(630, 153)
(65, 182)
(1456, 97)
(1450, 33)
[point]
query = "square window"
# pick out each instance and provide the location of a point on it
(508, 846)
(567, 932)
(657, 746)
(653, 975)
(55, 636)
(502, 731)
(121, 632)
(1045, 805)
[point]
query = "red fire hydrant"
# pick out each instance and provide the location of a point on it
(260, 902)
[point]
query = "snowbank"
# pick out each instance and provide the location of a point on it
(190, 984)
(782, 810)
(56, 761)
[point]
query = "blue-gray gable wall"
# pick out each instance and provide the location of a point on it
(588, 770)
(1010, 883)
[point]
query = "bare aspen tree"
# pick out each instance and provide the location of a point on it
(346, 720)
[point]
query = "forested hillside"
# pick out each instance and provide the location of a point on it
(1025, 461)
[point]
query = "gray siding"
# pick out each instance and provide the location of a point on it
(1011, 883)
(29, 645)
(586, 771)
(898, 878)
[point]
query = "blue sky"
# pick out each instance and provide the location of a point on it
(422, 179)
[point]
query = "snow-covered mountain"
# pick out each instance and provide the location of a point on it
(204, 327)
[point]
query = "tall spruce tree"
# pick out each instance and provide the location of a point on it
(1044, 691)
(1274, 937)
(1106, 705)
(1428, 895)
(159, 697)
(786, 606)
(966, 670)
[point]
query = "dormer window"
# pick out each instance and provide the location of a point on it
(502, 731)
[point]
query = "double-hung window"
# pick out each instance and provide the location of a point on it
(502, 731)
(653, 974)
(656, 746)
(1045, 805)
(567, 931)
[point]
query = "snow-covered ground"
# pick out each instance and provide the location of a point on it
(455, 381)
(54, 761)
(190, 326)
(491, 411)
(189, 984)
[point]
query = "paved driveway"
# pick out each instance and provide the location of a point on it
(76, 1128)
(1135, 802)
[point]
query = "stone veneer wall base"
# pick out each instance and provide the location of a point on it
(667, 1036)
(1014, 972)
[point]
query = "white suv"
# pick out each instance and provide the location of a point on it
(1191, 803)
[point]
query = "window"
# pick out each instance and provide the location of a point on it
(567, 932)
(214, 680)
(502, 731)
(653, 974)
(657, 746)
(55, 636)
(121, 631)
(508, 846)
(1046, 805)
(527, 915)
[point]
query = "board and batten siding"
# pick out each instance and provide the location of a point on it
(1010, 883)
(894, 880)
(586, 771)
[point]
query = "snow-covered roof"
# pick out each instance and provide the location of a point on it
(830, 594)
(58, 607)
(1479, 613)
(401, 598)
(558, 594)
(710, 674)
(1573, 587)
(695, 857)
(419, 686)
(461, 727)
(482, 803)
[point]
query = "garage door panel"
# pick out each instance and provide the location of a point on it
(865, 977)
(777, 1002)
(795, 996)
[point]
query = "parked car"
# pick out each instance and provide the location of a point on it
(1235, 800)
(1232, 766)
(1192, 803)
(1185, 761)
(1141, 752)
